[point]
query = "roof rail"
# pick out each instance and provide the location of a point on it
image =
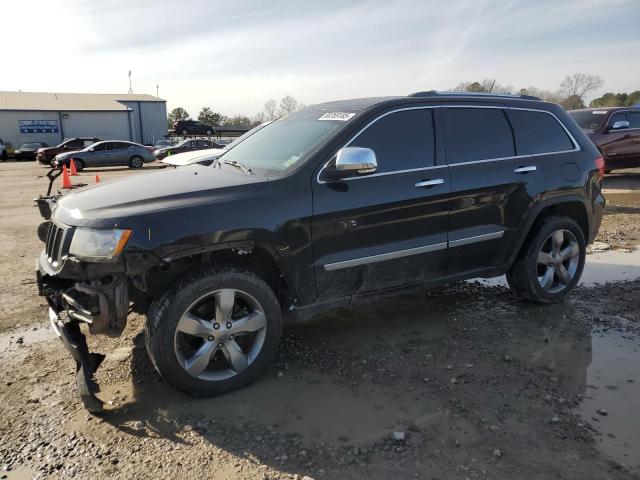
(434, 93)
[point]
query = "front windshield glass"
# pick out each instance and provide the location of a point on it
(31, 145)
(282, 144)
(589, 119)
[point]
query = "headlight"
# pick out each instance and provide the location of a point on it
(97, 244)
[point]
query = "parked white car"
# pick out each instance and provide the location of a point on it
(203, 157)
(207, 156)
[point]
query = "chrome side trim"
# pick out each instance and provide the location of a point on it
(412, 251)
(476, 238)
(576, 145)
(385, 256)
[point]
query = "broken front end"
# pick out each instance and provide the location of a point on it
(79, 291)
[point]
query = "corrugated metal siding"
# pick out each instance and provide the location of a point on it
(10, 128)
(112, 125)
(105, 125)
(154, 121)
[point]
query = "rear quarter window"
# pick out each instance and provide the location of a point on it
(538, 133)
(477, 134)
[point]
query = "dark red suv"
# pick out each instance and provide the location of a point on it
(616, 133)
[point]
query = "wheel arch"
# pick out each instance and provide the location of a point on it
(572, 207)
(259, 257)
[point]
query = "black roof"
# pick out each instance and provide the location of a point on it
(360, 104)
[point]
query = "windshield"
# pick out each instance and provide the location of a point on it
(31, 145)
(284, 143)
(589, 119)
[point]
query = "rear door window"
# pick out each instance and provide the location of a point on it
(401, 140)
(538, 133)
(477, 134)
(634, 119)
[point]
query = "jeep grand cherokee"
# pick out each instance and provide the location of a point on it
(338, 200)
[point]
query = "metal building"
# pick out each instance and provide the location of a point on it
(51, 117)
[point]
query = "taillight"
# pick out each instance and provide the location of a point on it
(600, 166)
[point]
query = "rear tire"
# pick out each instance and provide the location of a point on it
(136, 162)
(79, 164)
(550, 264)
(176, 344)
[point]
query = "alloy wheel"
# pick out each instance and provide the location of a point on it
(220, 334)
(558, 261)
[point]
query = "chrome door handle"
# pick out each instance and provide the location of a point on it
(429, 183)
(530, 168)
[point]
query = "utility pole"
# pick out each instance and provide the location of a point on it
(130, 88)
(157, 91)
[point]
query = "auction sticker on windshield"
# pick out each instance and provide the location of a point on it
(342, 116)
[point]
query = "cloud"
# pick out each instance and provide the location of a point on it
(233, 56)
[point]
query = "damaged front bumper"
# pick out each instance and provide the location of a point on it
(102, 304)
(86, 363)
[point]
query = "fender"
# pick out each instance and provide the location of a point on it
(245, 242)
(534, 214)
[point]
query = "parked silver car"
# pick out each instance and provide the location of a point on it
(107, 154)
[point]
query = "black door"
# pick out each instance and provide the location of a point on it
(389, 228)
(492, 188)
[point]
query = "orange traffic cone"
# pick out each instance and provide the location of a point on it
(97, 178)
(66, 181)
(72, 164)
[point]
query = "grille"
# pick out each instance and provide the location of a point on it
(57, 245)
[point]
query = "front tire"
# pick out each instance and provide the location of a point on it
(214, 332)
(550, 264)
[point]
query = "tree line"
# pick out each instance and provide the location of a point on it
(271, 111)
(571, 94)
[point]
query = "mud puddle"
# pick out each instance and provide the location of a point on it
(604, 369)
(600, 267)
(611, 398)
(314, 407)
(12, 341)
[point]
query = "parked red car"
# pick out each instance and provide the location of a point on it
(616, 133)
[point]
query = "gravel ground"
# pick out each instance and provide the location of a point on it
(460, 383)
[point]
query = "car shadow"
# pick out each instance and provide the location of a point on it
(344, 380)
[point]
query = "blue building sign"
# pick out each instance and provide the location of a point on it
(38, 126)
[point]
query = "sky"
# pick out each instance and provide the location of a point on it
(232, 56)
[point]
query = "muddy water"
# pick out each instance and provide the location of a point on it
(613, 385)
(604, 369)
(600, 267)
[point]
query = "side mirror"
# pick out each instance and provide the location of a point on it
(355, 160)
(620, 124)
(92, 149)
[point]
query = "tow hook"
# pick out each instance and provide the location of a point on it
(86, 363)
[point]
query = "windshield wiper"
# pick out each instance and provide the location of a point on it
(233, 163)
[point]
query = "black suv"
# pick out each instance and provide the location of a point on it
(338, 200)
(192, 127)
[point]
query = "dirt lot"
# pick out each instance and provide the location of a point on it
(464, 382)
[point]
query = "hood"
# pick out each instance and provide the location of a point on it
(188, 158)
(104, 205)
